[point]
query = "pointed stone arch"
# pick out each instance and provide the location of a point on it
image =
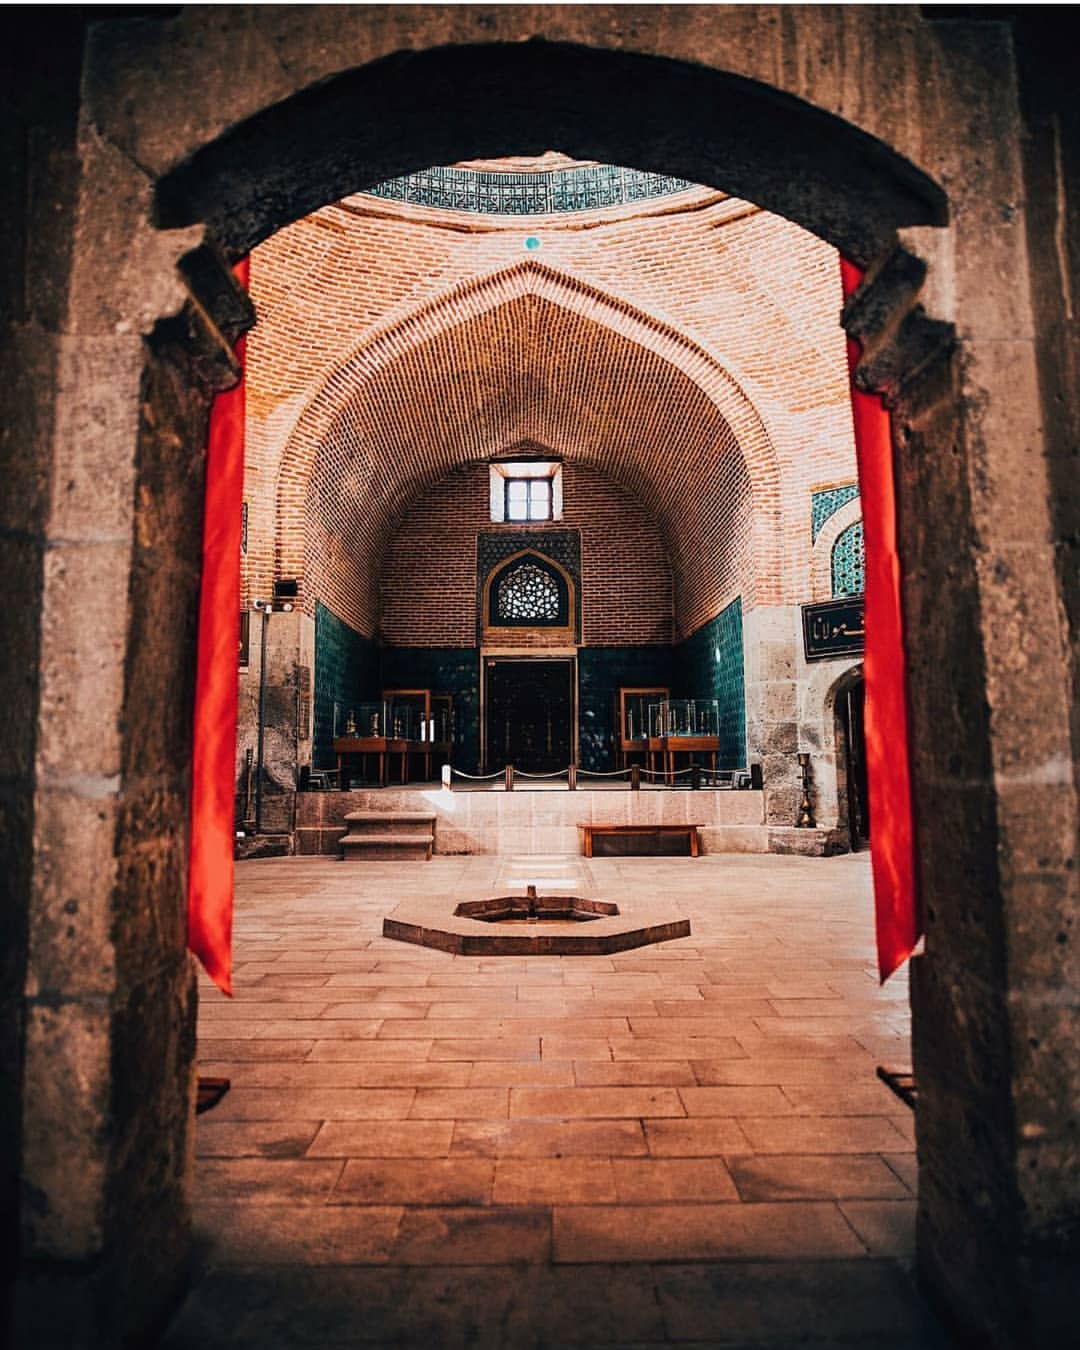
(150, 118)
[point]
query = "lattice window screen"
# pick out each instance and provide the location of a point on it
(849, 562)
(527, 594)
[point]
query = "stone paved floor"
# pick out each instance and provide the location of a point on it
(681, 1145)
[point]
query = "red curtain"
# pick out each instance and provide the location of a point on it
(898, 917)
(213, 772)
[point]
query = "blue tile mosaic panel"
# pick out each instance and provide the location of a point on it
(849, 562)
(587, 188)
(443, 670)
(709, 664)
(826, 503)
(495, 546)
(602, 672)
(346, 673)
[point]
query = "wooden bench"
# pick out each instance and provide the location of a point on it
(655, 831)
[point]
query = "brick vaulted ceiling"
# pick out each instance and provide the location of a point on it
(530, 371)
(525, 358)
(689, 353)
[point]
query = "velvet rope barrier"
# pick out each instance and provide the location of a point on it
(213, 770)
(897, 912)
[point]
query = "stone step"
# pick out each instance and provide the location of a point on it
(377, 846)
(390, 818)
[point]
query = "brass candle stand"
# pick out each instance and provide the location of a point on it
(806, 812)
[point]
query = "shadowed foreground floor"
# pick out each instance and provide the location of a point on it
(681, 1145)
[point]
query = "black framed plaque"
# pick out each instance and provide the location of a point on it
(833, 628)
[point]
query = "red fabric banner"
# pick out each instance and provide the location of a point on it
(898, 917)
(213, 770)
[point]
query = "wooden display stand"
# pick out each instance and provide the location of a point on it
(690, 746)
(346, 747)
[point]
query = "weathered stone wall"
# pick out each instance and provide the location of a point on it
(38, 172)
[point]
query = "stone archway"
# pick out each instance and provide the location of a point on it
(99, 784)
(843, 757)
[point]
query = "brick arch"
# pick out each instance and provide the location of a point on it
(730, 392)
(634, 341)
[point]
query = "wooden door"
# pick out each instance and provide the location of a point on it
(529, 715)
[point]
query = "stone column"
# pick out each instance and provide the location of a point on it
(994, 997)
(772, 707)
(107, 1003)
(290, 649)
(785, 714)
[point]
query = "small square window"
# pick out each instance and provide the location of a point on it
(526, 490)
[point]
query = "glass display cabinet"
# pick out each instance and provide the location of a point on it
(409, 712)
(421, 722)
(682, 717)
(684, 726)
(367, 720)
(632, 731)
(441, 732)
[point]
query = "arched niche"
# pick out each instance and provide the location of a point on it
(529, 595)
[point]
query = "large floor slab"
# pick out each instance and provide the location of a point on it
(681, 1145)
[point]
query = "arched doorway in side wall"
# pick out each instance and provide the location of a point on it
(851, 773)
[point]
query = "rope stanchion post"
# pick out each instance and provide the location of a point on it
(571, 778)
(635, 777)
(695, 777)
(448, 778)
(509, 777)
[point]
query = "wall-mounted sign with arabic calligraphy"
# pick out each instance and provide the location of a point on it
(833, 628)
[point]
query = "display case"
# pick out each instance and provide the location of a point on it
(401, 732)
(361, 743)
(366, 720)
(679, 717)
(441, 732)
(632, 720)
(634, 715)
(683, 726)
(409, 712)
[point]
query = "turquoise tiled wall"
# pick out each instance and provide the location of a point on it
(346, 672)
(825, 503)
(602, 672)
(709, 664)
(443, 670)
(848, 562)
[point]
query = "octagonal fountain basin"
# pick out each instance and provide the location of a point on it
(534, 925)
(533, 908)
